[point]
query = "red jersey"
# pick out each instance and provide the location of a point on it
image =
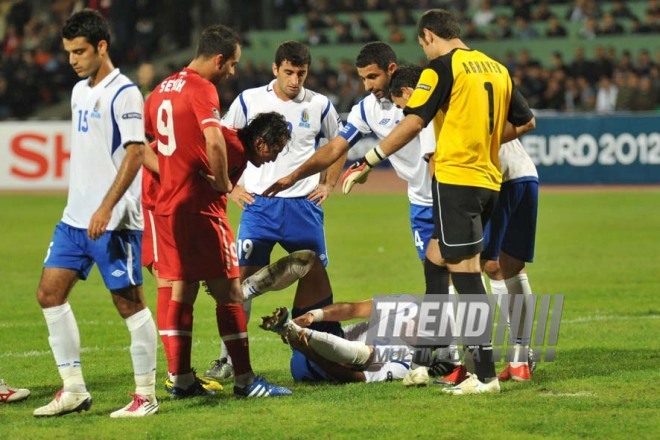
(176, 114)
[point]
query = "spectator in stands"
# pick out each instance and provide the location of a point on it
(581, 66)
(646, 99)
(587, 95)
(343, 33)
(5, 99)
(502, 28)
(589, 29)
(146, 78)
(627, 84)
(644, 63)
(620, 10)
(484, 15)
(524, 31)
(571, 95)
(404, 17)
(576, 12)
(606, 95)
(553, 96)
(542, 12)
(625, 64)
(557, 63)
(555, 28)
(522, 9)
(602, 65)
(651, 24)
(315, 37)
(470, 32)
(395, 35)
(609, 26)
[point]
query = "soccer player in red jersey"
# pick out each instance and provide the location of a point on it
(199, 163)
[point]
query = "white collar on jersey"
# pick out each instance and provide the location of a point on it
(299, 98)
(107, 80)
(385, 103)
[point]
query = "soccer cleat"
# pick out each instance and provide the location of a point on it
(65, 402)
(194, 390)
(472, 385)
(10, 394)
(220, 369)
(276, 321)
(419, 377)
(261, 388)
(141, 406)
(516, 374)
(208, 384)
(457, 376)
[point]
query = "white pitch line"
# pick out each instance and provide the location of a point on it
(607, 318)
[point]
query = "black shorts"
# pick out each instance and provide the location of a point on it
(460, 214)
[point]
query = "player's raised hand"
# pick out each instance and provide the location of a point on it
(285, 182)
(320, 193)
(240, 196)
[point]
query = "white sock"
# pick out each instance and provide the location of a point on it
(278, 275)
(144, 340)
(452, 291)
(336, 349)
(64, 340)
(519, 285)
(498, 287)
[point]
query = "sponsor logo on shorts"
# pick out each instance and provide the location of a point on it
(117, 273)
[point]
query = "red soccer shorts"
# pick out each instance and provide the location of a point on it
(195, 247)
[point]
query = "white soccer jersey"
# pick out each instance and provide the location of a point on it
(380, 117)
(310, 116)
(515, 162)
(105, 118)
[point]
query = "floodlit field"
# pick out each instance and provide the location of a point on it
(600, 249)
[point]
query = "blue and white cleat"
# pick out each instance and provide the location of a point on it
(261, 388)
(276, 321)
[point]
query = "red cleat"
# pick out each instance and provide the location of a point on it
(516, 374)
(458, 375)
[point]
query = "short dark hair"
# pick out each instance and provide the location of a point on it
(405, 76)
(87, 23)
(440, 22)
(217, 39)
(294, 52)
(376, 52)
(272, 127)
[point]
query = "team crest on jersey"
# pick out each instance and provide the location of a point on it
(96, 114)
(304, 119)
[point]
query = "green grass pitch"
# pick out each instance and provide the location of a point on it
(600, 249)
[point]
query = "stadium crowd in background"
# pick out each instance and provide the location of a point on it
(34, 71)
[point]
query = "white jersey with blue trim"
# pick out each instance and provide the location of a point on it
(515, 162)
(310, 117)
(105, 118)
(379, 117)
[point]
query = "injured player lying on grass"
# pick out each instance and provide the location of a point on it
(321, 356)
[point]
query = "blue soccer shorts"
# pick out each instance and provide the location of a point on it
(294, 223)
(421, 223)
(116, 253)
(305, 370)
(512, 228)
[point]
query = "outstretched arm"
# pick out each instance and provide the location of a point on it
(320, 160)
(336, 312)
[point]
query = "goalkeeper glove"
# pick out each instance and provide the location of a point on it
(359, 171)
